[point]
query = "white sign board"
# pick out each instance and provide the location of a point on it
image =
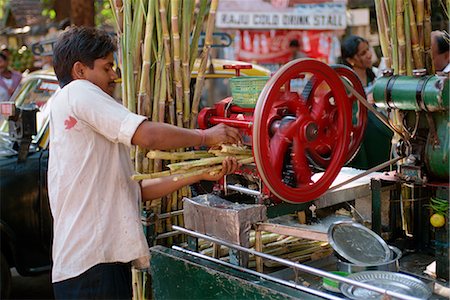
(319, 16)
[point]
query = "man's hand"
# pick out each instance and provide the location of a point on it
(229, 166)
(222, 134)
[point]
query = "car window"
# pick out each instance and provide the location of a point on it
(35, 91)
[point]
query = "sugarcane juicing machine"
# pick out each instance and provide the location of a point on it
(306, 125)
(310, 119)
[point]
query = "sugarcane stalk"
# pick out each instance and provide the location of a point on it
(203, 62)
(144, 86)
(401, 37)
(233, 149)
(210, 169)
(382, 29)
(175, 5)
(415, 45)
(188, 7)
(160, 174)
(393, 31)
(136, 35)
(178, 155)
(162, 95)
(427, 38)
(202, 11)
(420, 14)
(198, 172)
(167, 60)
(200, 162)
(408, 49)
(118, 9)
(387, 29)
(128, 67)
(158, 67)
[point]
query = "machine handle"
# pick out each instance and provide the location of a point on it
(237, 68)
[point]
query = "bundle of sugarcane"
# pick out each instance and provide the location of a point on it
(404, 28)
(287, 247)
(158, 48)
(196, 162)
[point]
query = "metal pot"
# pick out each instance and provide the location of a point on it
(391, 265)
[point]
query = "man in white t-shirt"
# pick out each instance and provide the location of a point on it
(94, 202)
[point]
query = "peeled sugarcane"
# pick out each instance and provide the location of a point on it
(211, 170)
(198, 163)
(178, 155)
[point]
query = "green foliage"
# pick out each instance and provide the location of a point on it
(104, 14)
(103, 11)
(21, 59)
(3, 5)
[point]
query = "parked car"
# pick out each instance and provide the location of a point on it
(25, 214)
(26, 221)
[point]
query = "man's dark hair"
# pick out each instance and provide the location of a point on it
(442, 42)
(349, 46)
(83, 44)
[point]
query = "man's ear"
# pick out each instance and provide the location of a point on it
(78, 71)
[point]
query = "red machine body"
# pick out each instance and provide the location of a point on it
(304, 127)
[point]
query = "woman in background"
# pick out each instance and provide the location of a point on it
(376, 145)
(356, 54)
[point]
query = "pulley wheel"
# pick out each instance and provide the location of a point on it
(287, 126)
(320, 157)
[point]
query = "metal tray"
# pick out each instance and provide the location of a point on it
(395, 282)
(358, 244)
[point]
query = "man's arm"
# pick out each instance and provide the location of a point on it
(159, 187)
(161, 136)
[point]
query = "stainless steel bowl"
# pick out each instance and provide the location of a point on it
(391, 265)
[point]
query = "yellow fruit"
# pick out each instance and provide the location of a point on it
(437, 220)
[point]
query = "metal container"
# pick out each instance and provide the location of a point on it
(391, 265)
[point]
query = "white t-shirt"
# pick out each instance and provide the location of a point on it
(94, 202)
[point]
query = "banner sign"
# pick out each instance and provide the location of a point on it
(320, 16)
(272, 46)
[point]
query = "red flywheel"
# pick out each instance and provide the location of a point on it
(289, 126)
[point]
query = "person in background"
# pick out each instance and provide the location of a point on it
(296, 51)
(94, 202)
(356, 54)
(440, 51)
(9, 78)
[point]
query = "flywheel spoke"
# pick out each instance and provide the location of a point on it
(300, 164)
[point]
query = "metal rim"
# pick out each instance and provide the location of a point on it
(299, 126)
(344, 254)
